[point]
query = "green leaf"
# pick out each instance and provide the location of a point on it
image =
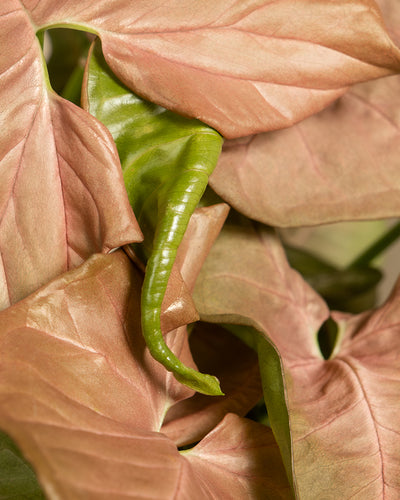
(17, 479)
(273, 387)
(166, 160)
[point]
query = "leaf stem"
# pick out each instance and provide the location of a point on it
(379, 246)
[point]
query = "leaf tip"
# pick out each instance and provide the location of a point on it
(200, 382)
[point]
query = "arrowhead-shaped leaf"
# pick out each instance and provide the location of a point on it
(341, 412)
(62, 196)
(242, 68)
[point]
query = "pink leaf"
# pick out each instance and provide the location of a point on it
(341, 164)
(86, 410)
(62, 195)
(238, 459)
(242, 68)
(342, 412)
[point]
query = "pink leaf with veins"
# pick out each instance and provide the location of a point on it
(86, 410)
(341, 164)
(241, 67)
(345, 434)
(62, 195)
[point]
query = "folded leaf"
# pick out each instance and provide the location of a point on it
(341, 412)
(242, 68)
(341, 164)
(166, 160)
(62, 196)
(86, 409)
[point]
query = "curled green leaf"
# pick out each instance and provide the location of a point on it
(166, 161)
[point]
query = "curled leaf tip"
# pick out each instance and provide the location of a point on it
(200, 382)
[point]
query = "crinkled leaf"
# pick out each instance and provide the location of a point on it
(166, 160)
(17, 479)
(344, 432)
(242, 67)
(62, 196)
(341, 164)
(86, 409)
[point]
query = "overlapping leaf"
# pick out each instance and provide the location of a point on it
(340, 412)
(216, 351)
(236, 366)
(62, 196)
(340, 164)
(86, 409)
(167, 160)
(241, 67)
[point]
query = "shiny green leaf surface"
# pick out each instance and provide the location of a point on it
(17, 479)
(166, 160)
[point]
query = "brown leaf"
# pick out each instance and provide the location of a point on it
(242, 68)
(62, 195)
(343, 411)
(86, 410)
(341, 164)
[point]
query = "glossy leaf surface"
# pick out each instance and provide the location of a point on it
(341, 411)
(241, 67)
(83, 397)
(166, 161)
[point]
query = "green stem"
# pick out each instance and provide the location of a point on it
(376, 248)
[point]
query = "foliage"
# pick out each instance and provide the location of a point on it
(113, 248)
